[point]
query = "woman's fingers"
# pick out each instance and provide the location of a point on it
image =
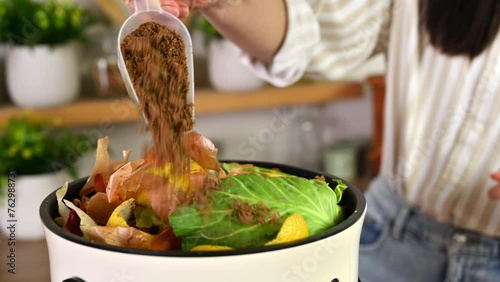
(183, 10)
(186, 5)
(170, 6)
(494, 192)
(178, 8)
(496, 176)
(130, 4)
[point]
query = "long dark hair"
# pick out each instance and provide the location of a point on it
(461, 27)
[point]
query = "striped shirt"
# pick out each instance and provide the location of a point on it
(442, 113)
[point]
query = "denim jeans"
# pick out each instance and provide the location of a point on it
(400, 244)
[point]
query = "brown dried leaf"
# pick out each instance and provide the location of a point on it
(101, 181)
(126, 181)
(103, 164)
(99, 209)
(202, 150)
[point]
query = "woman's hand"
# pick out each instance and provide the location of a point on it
(179, 8)
(261, 39)
(494, 192)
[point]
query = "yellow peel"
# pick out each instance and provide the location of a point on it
(165, 171)
(210, 248)
(121, 214)
(272, 175)
(182, 182)
(294, 228)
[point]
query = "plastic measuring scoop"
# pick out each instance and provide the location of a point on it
(150, 11)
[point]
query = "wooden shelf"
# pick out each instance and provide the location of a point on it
(104, 111)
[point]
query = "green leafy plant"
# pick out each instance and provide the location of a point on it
(43, 23)
(208, 30)
(5, 19)
(32, 146)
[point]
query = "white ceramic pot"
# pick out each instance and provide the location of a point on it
(331, 256)
(43, 76)
(19, 211)
(225, 70)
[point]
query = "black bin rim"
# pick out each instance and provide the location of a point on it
(356, 205)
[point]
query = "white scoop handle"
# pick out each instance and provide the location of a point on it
(147, 5)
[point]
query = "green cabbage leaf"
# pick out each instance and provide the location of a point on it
(280, 194)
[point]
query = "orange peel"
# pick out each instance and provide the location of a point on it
(294, 228)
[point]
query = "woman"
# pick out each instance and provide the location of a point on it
(432, 211)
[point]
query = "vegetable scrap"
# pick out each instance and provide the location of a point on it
(244, 207)
(209, 248)
(294, 228)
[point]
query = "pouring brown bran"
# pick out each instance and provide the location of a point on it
(157, 65)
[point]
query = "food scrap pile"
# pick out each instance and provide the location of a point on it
(178, 196)
(247, 206)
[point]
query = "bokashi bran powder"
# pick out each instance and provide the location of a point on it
(156, 61)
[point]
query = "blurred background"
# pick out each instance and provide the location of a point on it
(59, 62)
(60, 90)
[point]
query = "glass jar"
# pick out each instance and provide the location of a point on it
(307, 141)
(106, 75)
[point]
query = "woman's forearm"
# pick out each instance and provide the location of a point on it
(258, 27)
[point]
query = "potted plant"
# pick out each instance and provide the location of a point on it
(225, 70)
(38, 156)
(42, 64)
